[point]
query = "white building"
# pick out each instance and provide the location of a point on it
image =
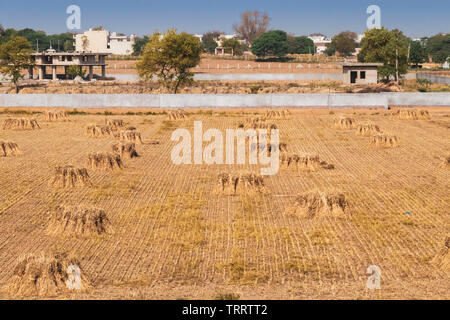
(102, 41)
(320, 42)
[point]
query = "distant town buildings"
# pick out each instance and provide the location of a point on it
(102, 41)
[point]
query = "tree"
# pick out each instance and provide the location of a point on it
(209, 43)
(253, 24)
(417, 53)
(388, 47)
(169, 58)
(68, 45)
(272, 43)
(438, 47)
(74, 70)
(139, 45)
(344, 43)
(232, 46)
(15, 55)
(99, 28)
(300, 45)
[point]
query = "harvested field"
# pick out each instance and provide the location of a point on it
(445, 162)
(69, 176)
(412, 114)
(344, 123)
(115, 123)
(277, 114)
(45, 275)
(367, 129)
(104, 161)
(303, 161)
(384, 141)
(175, 237)
(8, 148)
(125, 150)
(442, 259)
(99, 131)
(176, 115)
(240, 183)
(129, 135)
(20, 124)
(55, 115)
(78, 221)
(319, 204)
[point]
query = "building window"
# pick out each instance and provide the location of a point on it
(362, 75)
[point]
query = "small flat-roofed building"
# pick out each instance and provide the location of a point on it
(360, 73)
(51, 58)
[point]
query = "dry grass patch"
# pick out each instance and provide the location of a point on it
(257, 123)
(115, 123)
(344, 123)
(8, 148)
(78, 221)
(319, 204)
(105, 161)
(445, 162)
(240, 183)
(129, 135)
(20, 124)
(99, 131)
(384, 141)
(179, 114)
(304, 161)
(47, 275)
(442, 259)
(277, 114)
(55, 116)
(125, 150)
(69, 176)
(367, 129)
(412, 114)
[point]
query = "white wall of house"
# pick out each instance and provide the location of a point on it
(103, 41)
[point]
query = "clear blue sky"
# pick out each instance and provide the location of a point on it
(416, 18)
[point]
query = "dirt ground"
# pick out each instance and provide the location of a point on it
(173, 238)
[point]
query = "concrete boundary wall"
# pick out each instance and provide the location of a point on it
(226, 100)
(434, 78)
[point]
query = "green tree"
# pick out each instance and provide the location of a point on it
(74, 70)
(15, 55)
(271, 43)
(209, 43)
(233, 46)
(170, 58)
(438, 47)
(387, 47)
(68, 45)
(300, 45)
(417, 53)
(139, 45)
(344, 43)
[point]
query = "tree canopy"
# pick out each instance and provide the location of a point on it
(39, 37)
(271, 43)
(15, 55)
(233, 46)
(344, 43)
(300, 45)
(139, 45)
(417, 52)
(388, 47)
(438, 47)
(252, 25)
(209, 43)
(169, 57)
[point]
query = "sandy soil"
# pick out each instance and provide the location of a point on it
(175, 239)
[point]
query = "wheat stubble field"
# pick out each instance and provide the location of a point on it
(170, 233)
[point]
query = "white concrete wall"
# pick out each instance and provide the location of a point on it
(225, 100)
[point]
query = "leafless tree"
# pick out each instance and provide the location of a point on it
(253, 24)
